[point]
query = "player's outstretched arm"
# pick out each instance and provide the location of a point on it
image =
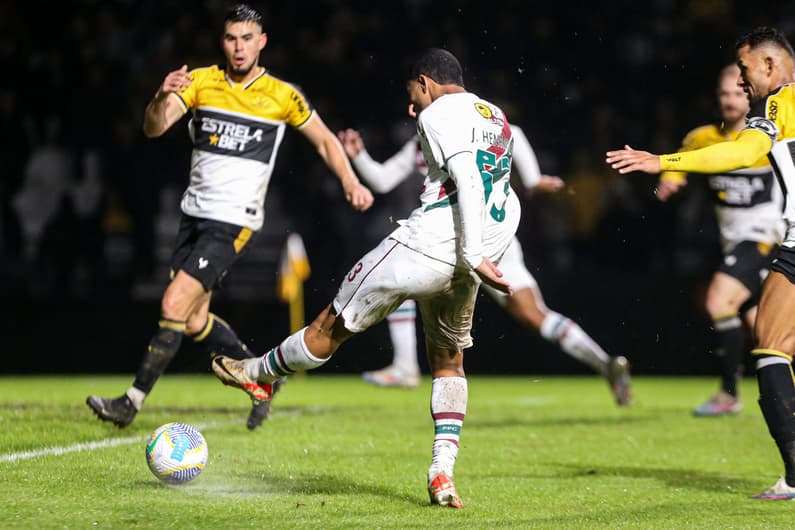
(628, 160)
(548, 184)
(750, 146)
(526, 165)
(165, 109)
(332, 153)
(381, 177)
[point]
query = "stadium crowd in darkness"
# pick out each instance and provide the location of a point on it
(84, 197)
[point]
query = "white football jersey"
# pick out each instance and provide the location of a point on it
(451, 125)
(384, 177)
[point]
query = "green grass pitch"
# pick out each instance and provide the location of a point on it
(536, 452)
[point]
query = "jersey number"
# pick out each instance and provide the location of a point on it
(356, 270)
(491, 172)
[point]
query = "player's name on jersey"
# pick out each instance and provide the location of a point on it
(489, 137)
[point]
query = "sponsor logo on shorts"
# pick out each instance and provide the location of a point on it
(203, 263)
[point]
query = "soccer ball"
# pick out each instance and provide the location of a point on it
(176, 453)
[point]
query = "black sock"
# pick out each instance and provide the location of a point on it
(729, 349)
(218, 338)
(777, 401)
(162, 348)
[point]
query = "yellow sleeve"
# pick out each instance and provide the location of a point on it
(750, 146)
(689, 143)
(188, 96)
(297, 110)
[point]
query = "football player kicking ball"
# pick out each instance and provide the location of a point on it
(525, 305)
(438, 257)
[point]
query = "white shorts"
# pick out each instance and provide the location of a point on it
(392, 273)
(514, 271)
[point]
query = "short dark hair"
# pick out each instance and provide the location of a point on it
(440, 65)
(243, 13)
(765, 35)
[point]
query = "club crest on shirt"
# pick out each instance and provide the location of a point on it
(484, 110)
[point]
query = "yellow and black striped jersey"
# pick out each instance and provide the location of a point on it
(236, 131)
(748, 201)
(774, 115)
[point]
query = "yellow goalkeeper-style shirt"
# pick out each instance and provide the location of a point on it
(236, 131)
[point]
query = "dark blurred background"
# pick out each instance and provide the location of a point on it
(88, 206)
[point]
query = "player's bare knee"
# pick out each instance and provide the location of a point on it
(172, 307)
(719, 306)
(782, 342)
(774, 335)
(195, 324)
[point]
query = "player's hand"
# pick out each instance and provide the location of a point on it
(666, 188)
(411, 111)
(548, 184)
(492, 276)
(351, 141)
(175, 81)
(358, 196)
(628, 160)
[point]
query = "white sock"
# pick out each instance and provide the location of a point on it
(137, 397)
(574, 341)
(448, 408)
(290, 356)
(403, 332)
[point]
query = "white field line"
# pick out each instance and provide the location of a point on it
(84, 446)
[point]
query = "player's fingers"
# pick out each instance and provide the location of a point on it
(630, 168)
(503, 286)
(493, 268)
(368, 200)
(360, 200)
(620, 155)
(618, 162)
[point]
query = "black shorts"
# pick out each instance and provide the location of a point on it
(784, 262)
(749, 262)
(206, 248)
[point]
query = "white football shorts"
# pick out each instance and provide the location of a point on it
(392, 273)
(514, 271)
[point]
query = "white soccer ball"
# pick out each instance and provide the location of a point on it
(176, 453)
